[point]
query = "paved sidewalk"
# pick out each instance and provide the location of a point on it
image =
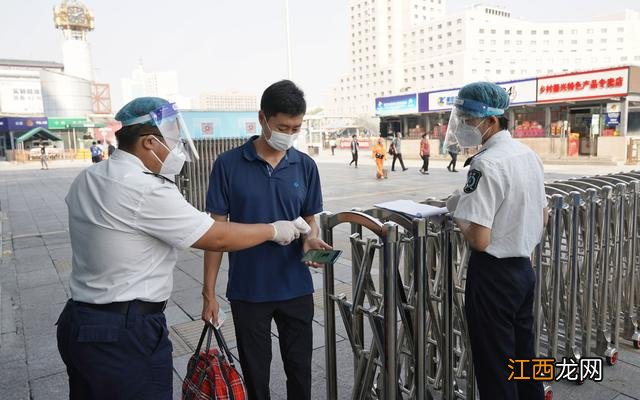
(36, 263)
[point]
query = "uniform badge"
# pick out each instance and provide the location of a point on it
(473, 178)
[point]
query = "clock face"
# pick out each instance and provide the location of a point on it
(76, 15)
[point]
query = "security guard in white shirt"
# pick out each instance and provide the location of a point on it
(126, 221)
(501, 212)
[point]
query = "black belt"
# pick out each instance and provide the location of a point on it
(122, 307)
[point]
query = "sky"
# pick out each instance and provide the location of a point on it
(228, 45)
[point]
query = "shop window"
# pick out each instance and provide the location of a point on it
(529, 123)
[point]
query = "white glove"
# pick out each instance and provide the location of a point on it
(284, 232)
(302, 225)
(452, 201)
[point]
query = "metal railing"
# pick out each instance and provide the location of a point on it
(588, 285)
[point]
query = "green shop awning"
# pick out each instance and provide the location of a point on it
(38, 133)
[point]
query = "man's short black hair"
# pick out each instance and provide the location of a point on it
(93, 143)
(283, 97)
(128, 135)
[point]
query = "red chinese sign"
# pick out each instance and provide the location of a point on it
(585, 85)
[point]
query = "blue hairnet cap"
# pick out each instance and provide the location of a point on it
(139, 107)
(494, 97)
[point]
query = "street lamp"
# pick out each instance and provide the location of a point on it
(286, 11)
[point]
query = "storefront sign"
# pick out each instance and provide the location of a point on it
(442, 100)
(586, 85)
(613, 107)
(22, 124)
(520, 92)
(68, 123)
(403, 104)
(612, 119)
(595, 124)
(423, 102)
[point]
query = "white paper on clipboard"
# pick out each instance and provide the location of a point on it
(413, 209)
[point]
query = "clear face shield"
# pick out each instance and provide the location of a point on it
(463, 130)
(169, 122)
(174, 131)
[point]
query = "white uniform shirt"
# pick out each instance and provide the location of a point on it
(125, 227)
(505, 193)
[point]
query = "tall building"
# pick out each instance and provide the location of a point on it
(153, 83)
(228, 102)
(413, 45)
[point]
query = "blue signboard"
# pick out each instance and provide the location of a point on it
(17, 124)
(403, 104)
(214, 124)
(612, 119)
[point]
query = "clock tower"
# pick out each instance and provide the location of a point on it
(75, 20)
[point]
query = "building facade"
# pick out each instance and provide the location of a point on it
(153, 83)
(228, 102)
(402, 46)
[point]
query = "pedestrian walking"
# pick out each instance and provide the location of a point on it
(396, 151)
(379, 155)
(354, 150)
(43, 158)
(501, 212)
(333, 145)
(424, 154)
(96, 152)
(453, 149)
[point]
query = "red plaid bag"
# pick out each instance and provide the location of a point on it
(211, 374)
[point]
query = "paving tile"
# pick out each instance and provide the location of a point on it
(13, 374)
(190, 300)
(175, 315)
(40, 320)
(182, 281)
(37, 278)
(51, 387)
(12, 348)
(43, 295)
(43, 358)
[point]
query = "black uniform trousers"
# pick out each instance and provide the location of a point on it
(115, 356)
(253, 331)
(499, 309)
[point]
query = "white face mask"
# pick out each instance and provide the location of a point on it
(173, 163)
(280, 141)
(469, 136)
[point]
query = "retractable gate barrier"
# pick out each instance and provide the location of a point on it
(588, 285)
(193, 181)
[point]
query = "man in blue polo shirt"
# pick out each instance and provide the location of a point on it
(266, 180)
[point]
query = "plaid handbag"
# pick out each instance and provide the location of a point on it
(211, 374)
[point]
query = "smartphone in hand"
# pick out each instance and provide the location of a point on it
(322, 256)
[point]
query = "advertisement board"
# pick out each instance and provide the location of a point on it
(393, 105)
(520, 92)
(19, 124)
(20, 96)
(612, 82)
